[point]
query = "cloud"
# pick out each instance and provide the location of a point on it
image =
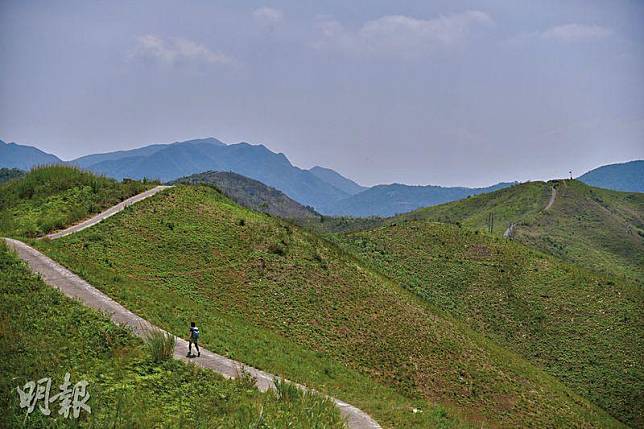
(268, 17)
(176, 50)
(576, 32)
(401, 35)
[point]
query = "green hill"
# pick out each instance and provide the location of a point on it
(282, 299)
(596, 228)
(45, 334)
(48, 198)
(253, 195)
(586, 329)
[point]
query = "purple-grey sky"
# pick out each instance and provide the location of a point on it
(449, 92)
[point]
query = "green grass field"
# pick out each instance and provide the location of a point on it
(282, 299)
(45, 334)
(48, 198)
(595, 228)
(586, 329)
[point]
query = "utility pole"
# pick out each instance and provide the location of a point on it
(570, 174)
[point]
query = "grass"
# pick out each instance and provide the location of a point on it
(48, 198)
(599, 229)
(282, 299)
(160, 345)
(45, 334)
(583, 328)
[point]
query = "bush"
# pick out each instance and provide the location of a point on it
(160, 345)
(286, 391)
(277, 249)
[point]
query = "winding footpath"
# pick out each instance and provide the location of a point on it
(57, 276)
(107, 213)
(553, 196)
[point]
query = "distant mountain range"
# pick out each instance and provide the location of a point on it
(13, 155)
(324, 189)
(627, 177)
(389, 200)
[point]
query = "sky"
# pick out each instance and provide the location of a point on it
(447, 92)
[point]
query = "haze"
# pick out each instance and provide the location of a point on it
(442, 92)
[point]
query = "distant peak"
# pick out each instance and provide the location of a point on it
(206, 140)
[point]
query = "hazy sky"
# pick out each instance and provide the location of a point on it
(421, 92)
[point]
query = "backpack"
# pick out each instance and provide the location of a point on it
(195, 332)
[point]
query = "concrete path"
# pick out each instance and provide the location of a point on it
(107, 213)
(553, 197)
(70, 284)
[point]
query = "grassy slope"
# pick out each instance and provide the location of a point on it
(45, 334)
(279, 298)
(597, 228)
(583, 328)
(600, 229)
(48, 198)
(253, 195)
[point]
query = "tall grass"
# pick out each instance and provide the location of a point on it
(160, 345)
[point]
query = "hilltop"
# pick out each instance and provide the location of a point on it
(596, 228)
(282, 299)
(253, 195)
(48, 198)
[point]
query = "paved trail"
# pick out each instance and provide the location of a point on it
(74, 287)
(107, 213)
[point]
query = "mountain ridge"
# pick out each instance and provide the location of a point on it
(625, 176)
(23, 157)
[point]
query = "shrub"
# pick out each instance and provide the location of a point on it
(160, 345)
(286, 391)
(277, 249)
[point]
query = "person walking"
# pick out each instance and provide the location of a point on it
(194, 339)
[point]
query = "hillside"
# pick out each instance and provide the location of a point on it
(556, 315)
(627, 176)
(48, 334)
(596, 228)
(337, 180)
(389, 200)
(284, 300)
(7, 174)
(253, 195)
(48, 198)
(13, 155)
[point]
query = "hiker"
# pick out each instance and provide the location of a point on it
(194, 339)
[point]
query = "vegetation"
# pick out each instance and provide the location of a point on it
(583, 328)
(596, 228)
(48, 198)
(284, 300)
(160, 345)
(7, 174)
(253, 195)
(45, 334)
